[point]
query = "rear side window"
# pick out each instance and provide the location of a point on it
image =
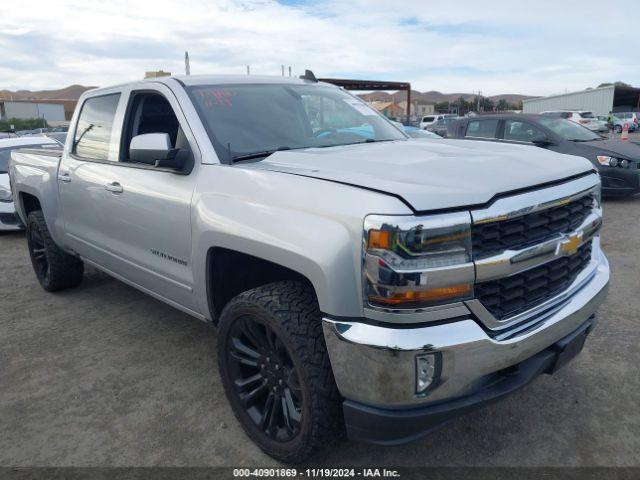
(428, 119)
(95, 124)
(482, 128)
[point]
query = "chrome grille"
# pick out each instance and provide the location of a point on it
(495, 237)
(509, 296)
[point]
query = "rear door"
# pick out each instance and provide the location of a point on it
(84, 171)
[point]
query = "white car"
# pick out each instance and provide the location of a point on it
(8, 218)
(585, 118)
(429, 120)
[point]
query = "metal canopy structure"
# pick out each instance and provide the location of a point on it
(626, 98)
(372, 85)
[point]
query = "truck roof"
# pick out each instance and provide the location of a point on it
(234, 79)
(194, 80)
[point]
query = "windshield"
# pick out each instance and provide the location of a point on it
(242, 120)
(568, 130)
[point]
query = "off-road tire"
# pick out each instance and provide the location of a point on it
(291, 310)
(54, 268)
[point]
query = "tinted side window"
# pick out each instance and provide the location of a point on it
(93, 133)
(482, 128)
(520, 131)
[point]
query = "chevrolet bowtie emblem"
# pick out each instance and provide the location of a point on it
(571, 244)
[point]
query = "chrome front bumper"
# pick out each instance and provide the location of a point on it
(375, 364)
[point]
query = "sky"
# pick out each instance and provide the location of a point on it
(496, 46)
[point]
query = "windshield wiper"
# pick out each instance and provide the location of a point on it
(265, 153)
(583, 140)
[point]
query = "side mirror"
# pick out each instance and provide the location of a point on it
(541, 140)
(155, 149)
(149, 147)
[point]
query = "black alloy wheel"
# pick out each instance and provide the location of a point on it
(265, 378)
(276, 372)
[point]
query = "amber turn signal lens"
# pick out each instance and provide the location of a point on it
(380, 239)
(435, 294)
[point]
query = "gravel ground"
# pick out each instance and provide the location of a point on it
(104, 375)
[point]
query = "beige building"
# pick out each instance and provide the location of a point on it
(388, 109)
(156, 74)
(419, 108)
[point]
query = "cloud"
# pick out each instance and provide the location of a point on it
(497, 47)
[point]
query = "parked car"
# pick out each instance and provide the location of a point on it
(618, 125)
(59, 137)
(582, 117)
(631, 118)
(429, 120)
(605, 126)
(8, 218)
(441, 126)
(617, 162)
(419, 134)
(367, 280)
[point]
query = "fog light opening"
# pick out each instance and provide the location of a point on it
(427, 371)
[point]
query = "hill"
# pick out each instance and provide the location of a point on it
(437, 97)
(71, 92)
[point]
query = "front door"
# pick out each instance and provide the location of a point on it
(148, 209)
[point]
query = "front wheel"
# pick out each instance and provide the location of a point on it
(276, 372)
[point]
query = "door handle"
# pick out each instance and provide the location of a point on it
(114, 187)
(64, 177)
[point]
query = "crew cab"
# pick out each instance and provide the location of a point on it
(357, 278)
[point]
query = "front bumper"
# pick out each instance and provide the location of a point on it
(619, 181)
(374, 364)
(396, 426)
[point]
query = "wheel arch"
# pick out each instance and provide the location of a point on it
(230, 272)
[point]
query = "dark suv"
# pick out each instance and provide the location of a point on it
(618, 162)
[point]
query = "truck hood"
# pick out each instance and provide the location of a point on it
(430, 175)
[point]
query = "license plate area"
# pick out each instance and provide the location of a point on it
(569, 347)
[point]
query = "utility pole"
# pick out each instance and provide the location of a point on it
(248, 70)
(289, 70)
(282, 70)
(479, 93)
(187, 67)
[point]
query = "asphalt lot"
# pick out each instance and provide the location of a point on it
(106, 376)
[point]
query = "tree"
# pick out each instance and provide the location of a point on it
(617, 84)
(463, 106)
(503, 105)
(23, 124)
(441, 107)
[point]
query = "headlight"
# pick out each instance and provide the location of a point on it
(5, 195)
(612, 161)
(412, 263)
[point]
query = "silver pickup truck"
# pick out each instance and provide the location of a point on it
(358, 278)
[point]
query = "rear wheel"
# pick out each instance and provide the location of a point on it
(54, 268)
(276, 372)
